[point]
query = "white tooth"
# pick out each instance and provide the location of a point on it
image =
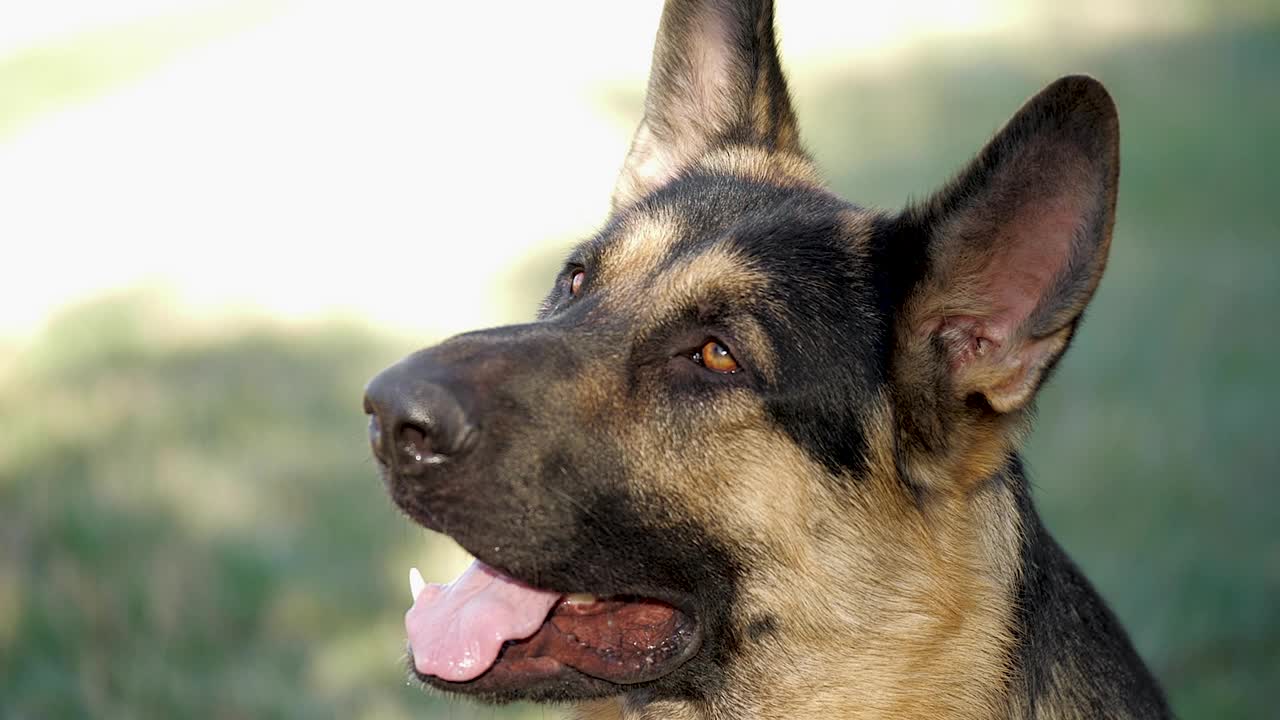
(416, 583)
(580, 599)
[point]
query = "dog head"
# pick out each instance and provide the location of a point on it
(752, 419)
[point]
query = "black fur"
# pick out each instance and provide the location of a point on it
(835, 353)
(679, 563)
(1064, 626)
(762, 627)
(678, 557)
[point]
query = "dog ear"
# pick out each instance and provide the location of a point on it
(715, 80)
(1013, 249)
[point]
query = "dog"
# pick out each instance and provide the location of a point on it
(757, 457)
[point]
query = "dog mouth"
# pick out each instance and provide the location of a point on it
(487, 631)
(496, 636)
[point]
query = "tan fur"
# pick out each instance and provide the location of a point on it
(632, 284)
(897, 600)
(717, 271)
(609, 709)
(641, 244)
(890, 595)
(630, 281)
(887, 602)
(784, 169)
(885, 607)
(648, 169)
(867, 588)
(885, 596)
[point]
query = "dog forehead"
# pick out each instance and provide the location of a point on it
(731, 222)
(635, 245)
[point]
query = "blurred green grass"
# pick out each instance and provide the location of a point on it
(190, 526)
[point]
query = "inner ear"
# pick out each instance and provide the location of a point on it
(715, 80)
(1016, 244)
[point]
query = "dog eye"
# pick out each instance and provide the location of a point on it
(716, 357)
(575, 282)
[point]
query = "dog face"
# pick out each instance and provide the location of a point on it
(753, 420)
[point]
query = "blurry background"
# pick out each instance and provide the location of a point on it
(219, 219)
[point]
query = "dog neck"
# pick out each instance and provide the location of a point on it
(1075, 658)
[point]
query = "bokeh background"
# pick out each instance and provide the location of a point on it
(219, 219)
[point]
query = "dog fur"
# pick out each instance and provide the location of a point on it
(847, 515)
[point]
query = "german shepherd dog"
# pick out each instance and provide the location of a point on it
(757, 457)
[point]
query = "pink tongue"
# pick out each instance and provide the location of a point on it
(457, 630)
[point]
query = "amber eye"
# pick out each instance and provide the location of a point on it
(575, 282)
(715, 356)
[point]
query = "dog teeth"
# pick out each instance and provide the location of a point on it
(416, 583)
(580, 598)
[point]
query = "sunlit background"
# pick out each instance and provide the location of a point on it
(219, 219)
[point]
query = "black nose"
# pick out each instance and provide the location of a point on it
(414, 423)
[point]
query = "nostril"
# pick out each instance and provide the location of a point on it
(414, 438)
(415, 445)
(415, 425)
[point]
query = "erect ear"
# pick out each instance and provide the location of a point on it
(1014, 247)
(715, 80)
